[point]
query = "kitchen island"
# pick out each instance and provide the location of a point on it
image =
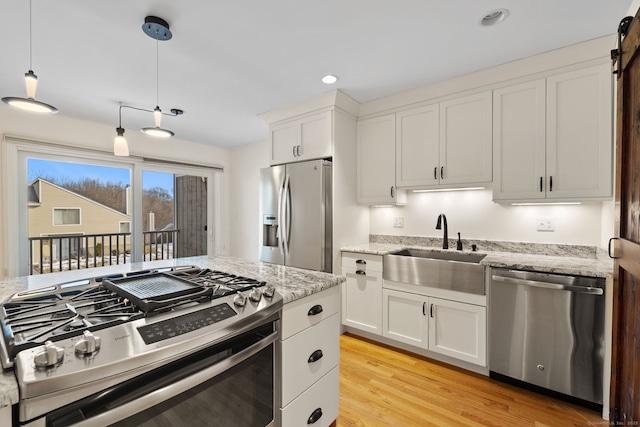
(292, 283)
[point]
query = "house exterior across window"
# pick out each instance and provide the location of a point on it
(61, 221)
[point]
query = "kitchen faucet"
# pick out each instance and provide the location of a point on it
(445, 240)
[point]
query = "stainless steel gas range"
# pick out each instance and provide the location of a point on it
(176, 346)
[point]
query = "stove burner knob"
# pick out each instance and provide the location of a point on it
(255, 294)
(269, 291)
(89, 344)
(239, 300)
(49, 356)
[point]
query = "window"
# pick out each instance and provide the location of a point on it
(66, 216)
(125, 226)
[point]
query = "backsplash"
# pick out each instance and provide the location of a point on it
(580, 251)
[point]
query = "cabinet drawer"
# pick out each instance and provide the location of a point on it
(322, 398)
(364, 262)
(305, 312)
(299, 371)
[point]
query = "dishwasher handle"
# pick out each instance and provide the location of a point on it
(556, 286)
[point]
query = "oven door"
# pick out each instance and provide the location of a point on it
(228, 384)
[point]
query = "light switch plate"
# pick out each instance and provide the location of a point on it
(398, 221)
(545, 224)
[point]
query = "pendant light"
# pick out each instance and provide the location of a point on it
(120, 146)
(158, 29)
(31, 81)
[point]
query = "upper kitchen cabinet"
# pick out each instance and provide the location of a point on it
(446, 144)
(376, 152)
(305, 138)
(553, 138)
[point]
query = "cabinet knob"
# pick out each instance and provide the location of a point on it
(315, 416)
(316, 309)
(315, 356)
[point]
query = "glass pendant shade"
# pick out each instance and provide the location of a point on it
(29, 103)
(157, 116)
(31, 82)
(120, 146)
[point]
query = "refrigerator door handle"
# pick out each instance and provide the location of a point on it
(280, 234)
(287, 214)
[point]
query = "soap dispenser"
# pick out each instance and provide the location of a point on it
(459, 245)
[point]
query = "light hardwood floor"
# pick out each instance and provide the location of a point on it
(380, 386)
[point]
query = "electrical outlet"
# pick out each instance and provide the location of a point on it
(398, 221)
(545, 224)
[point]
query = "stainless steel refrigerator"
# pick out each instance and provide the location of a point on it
(295, 212)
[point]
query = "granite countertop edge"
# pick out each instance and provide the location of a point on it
(579, 266)
(292, 283)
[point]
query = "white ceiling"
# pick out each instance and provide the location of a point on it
(230, 61)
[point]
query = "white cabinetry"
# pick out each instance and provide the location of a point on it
(362, 292)
(309, 355)
(446, 144)
(553, 137)
(451, 328)
(376, 151)
(305, 138)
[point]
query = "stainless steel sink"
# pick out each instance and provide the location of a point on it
(454, 271)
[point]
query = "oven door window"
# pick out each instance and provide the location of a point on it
(242, 394)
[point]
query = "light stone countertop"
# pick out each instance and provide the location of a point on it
(592, 266)
(291, 283)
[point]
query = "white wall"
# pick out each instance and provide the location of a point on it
(475, 216)
(246, 162)
(67, 131)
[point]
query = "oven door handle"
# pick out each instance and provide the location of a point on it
(162, 394)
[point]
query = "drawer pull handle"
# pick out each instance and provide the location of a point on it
(315, 416)
(316, 309)
(315, 356)
(361, 261)
(361, 272)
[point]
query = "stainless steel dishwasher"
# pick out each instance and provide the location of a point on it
(548, 330)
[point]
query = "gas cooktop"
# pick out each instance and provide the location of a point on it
(35, 317)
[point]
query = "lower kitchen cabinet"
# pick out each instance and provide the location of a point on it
(451, 328)
(308, 355)
(362, 292)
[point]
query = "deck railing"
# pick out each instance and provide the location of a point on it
(159, 244)
(76, 251)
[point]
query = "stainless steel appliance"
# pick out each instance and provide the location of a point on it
(178, 346)
(548, 330)
(295, 211)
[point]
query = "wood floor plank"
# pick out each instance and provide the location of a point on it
(382, 386)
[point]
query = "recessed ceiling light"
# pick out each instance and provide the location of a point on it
(329, 79)
(494, 17)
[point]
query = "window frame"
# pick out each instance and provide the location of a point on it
(53, 216)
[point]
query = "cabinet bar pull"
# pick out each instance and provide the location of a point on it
(316, 309)
(442, 172)
(431, 310)
(361, 261)
(294, 150)
(315, 416)
(435, 173)
(541, 184)
(298, 151)
(424, 310)
(362, 272)
(392, 196)
(550, 183)
(315, 356)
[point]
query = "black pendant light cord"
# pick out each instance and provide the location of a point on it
(30, 39)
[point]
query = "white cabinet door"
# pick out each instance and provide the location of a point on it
(417, 141)
(362, 300)
(285, 138)
(315, 137)
(376, 152)
(519, 141)
(317, 406)
(579, 134)
(458, 330)
(405, 317)
(466, 140)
